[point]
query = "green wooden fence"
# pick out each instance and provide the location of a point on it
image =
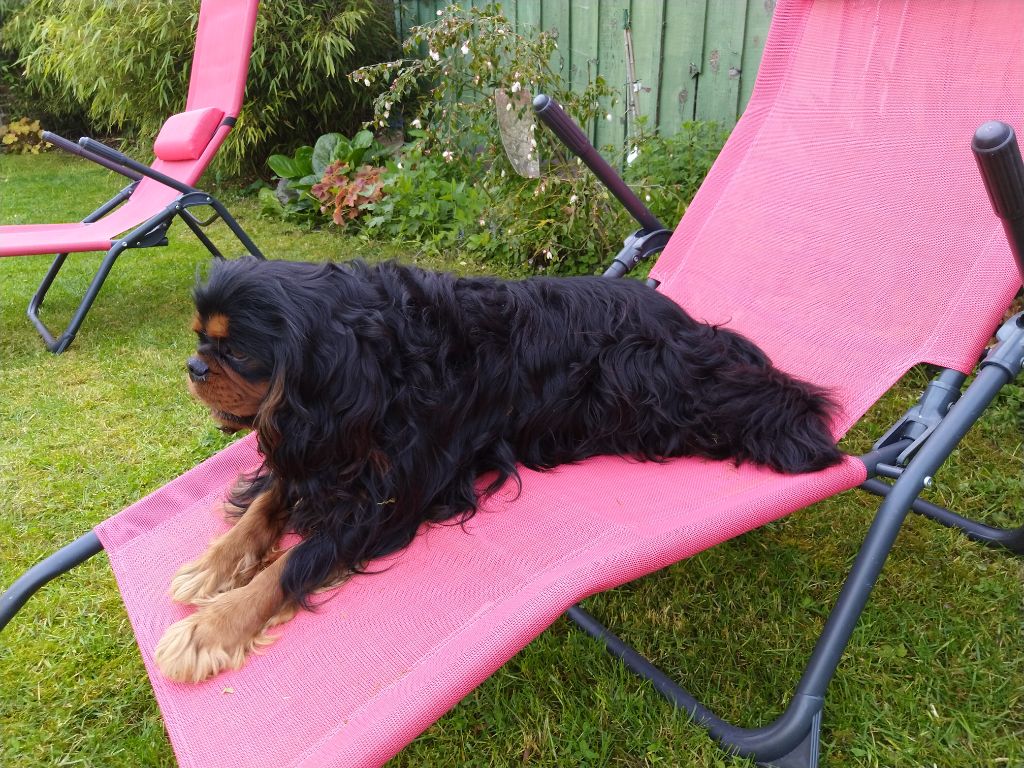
(692, 59)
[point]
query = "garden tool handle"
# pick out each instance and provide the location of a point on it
(570, 134)
(1002, 170)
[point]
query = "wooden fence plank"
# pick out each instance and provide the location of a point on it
(647, 22)
(611, 65)
(759, 18)
(718, 86)
(681, 59)
(583, 36)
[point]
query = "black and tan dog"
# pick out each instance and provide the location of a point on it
(381, 394)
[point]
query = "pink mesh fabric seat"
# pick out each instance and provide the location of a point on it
(139, 216)
(826, 233)
(405, 645)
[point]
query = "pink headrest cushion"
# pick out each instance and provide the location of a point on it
(185, 135)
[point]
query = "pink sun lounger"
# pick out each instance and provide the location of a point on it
(140, 214)
(847, 229)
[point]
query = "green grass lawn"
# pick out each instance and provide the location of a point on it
(934, 674)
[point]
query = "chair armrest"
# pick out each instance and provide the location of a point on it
(119, 158)
(70, 146)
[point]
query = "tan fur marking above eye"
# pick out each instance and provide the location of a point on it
(197, 324)
(217, 326)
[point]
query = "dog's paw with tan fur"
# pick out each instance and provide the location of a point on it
(217, 637)
(219, 569)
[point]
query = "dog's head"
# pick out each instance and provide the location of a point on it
(233, 365)
(292, 350)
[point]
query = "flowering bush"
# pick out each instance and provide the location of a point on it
(474, 65)
(470, 55)
(669, 169)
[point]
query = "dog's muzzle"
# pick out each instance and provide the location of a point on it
(198, 371)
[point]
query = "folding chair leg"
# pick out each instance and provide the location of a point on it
(61, 561)
(792, 740)
(1011, 539)
(196, 226)
(198, 198)
(150, 233)
(58, 344)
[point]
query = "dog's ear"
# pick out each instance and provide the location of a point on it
(328, 392)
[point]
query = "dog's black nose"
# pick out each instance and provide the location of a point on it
(197, 369)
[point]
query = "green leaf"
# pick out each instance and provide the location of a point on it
(323, 152)
(284, 166)
(362, 140)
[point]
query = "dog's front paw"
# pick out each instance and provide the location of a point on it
(218, 570)
(217, 637)
(191, 651)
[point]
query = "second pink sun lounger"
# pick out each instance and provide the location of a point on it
(140, 215)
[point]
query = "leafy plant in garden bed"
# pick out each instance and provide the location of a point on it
(331, 175)
(428, 201)
(669, 170)
(449, 92)
(23, 136)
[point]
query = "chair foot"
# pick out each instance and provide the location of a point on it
(791, 741)
(805, 754)
(61, 561)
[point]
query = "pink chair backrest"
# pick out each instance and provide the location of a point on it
(845, 226)
(220, 64)
(221, 61)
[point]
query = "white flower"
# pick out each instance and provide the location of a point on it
(634, 153)
(366, 82)
(399, 166)
(508, 107)
(516, 87)
(483, 223)
(647, 198)
(416, 123)
(533, 143)
(440, 13)
(573, 199)
(448, 155)
(434, 55)
(465, 49)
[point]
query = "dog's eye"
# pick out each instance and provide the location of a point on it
(228, 351)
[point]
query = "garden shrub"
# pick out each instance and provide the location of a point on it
(126, 64)
(668, 170)
(445, 89)
(564, 221)
(22, 136)
(329, 179)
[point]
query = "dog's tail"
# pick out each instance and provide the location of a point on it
(779, 421)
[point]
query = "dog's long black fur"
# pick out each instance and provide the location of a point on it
(392, 390)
